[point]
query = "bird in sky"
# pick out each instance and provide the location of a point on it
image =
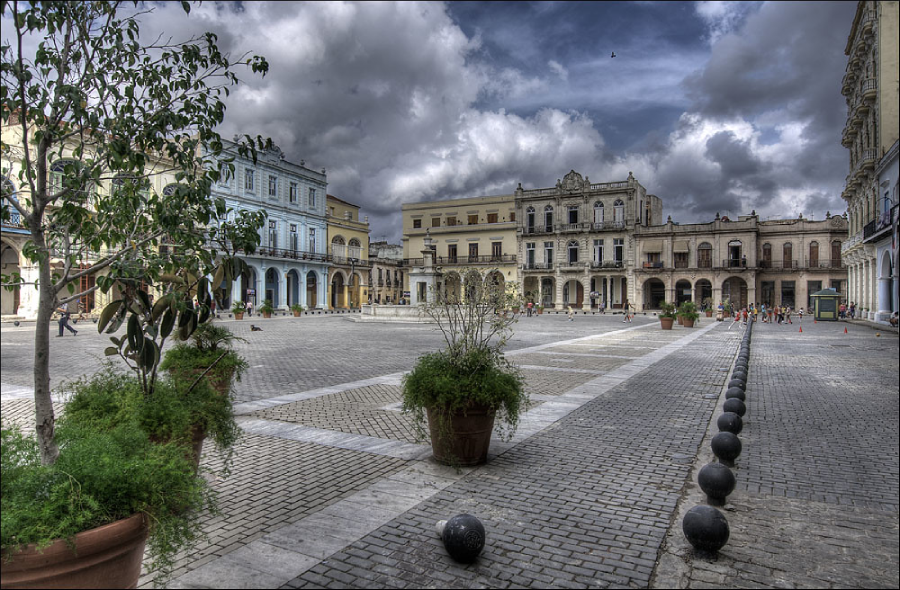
(613, 54)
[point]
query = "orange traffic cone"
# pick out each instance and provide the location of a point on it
(845, 330)
(801, 329)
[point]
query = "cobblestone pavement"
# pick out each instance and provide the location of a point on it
(816, 503)
(330, 488)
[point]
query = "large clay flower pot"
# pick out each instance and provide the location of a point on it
(468, 439)
(105, 557)
(666, 323)
(687, 323)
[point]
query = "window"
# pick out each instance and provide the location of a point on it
(814, 255)
(312, 198)
(573, 214)
(354, 250)
(598, 213)
(529, 254)
(492, 217)
(788, 255)
(473, 219)
(735, 259)
(619, 250)
(512, 215)
(451, 221)
(435, 222)
(548, 254)
(767, 256)
(293, 192)
(417, 224)
(548, 218)
(473, 252)
(598, 251)
(529, 219)
(681, 260)
(273, 234)
(273, 186)
(704, 255)
(619, 212)
(248, 180)
(836, 254)
(312, 239)
(295, 243)
(573, 252)
(451, 253)
(496, 250)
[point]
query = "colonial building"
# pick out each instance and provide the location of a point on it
(476, 233)
(585, 244)
(292, 263)
(386, 276)
(348, 239)
(870, 86)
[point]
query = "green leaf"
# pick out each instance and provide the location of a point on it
(111, 351)
(135, 335)
(107, 314)
(168, 322)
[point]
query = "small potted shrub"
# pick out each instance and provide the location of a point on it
(666, 315)
(540, 309)
(297, 309)
(238, 310)
(708, 307)
(460, 390)
(266, 308)
(687, 311)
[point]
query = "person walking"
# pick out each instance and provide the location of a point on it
(571, 314)
(64, 322)
(249, 308)
(528, 308)
(627, 308)
(787, 314)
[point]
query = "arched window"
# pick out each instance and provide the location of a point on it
(767, 255)
(619, 212)
(573, 252)
(338, 247)
(8, 213)
(61, 169)
(353, 249)
(704, 255)
(787, 255)
(598, 213)
(548, 218)
(529, 219)
(813, 254)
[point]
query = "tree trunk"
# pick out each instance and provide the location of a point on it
(43, 403)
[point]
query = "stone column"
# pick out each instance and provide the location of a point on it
(558, 296)
(586, 288)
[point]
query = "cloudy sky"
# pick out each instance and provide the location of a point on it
(715, 106)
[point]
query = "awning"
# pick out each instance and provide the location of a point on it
(681, 246)
(652, 246)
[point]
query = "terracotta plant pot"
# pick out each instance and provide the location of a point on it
(680, 321)
(709, 313)
(469, 438)
(105, 557)
(687, 323)
(267, 315)
(666, 323)
(238, 316)
(296, 314)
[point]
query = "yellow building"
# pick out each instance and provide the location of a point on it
(23, 303)
(348, 240)
(474, 233)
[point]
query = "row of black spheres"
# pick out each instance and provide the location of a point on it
(704, 526)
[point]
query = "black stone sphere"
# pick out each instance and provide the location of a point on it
(741, 366)
(739, 374)
(705, 528)
(717, 481)
(735, 393)
(742, 383)
(735, 405)
(730, 422)
(726, 446)
(463, 537)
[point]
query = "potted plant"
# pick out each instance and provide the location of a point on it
(297, 309)
(266, 308)
(666, 315)
(687, 311)
(540, 309)
(238, 310)
(460, 390)
(707, 307)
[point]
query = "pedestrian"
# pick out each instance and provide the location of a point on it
(745, 315)
(627, 308)
(64, 322)
(528, 308)
(571, 314)
(249, 308)
(787, 314)
(602, 307)
(770, 312)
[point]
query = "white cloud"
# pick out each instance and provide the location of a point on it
(559, 70)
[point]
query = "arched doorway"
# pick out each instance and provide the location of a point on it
(735, 290)
(452, 286)
(704, 292)
(248, 287)
(532, 289)
(292, 283)
(312, 289)
(886, 294)
(573, 293)
(683, 291)
(9, 262)
(548, 291)
(272, 284)
(337, 291)
(654, 293)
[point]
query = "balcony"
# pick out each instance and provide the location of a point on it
(820, 264)
(268, 252)
(570, 227)
(653, 265)
(869, 89)
(596, 264)
(15, 219)
(475, 259)
(734, 263)
(537, 229)
(867, 161)
(607, 225)
(538, 266)
(779, 264)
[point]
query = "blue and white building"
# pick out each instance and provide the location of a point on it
(291, 264)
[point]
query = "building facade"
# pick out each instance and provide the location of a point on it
(348, 240)
(587, 245)
(477, 233)
(870, 86)
(386, 273)
(292, 263)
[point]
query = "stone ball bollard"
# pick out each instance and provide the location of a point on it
(717, 481)
(739, 374)
(735, 405)
(730, 422)
(737, 383)
(736, 393)
(463, 537)
(727, 447)
(705, 528)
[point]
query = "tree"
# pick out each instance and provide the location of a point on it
(95, 116)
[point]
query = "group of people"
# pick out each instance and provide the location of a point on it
(847, 311)
(771, 314)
